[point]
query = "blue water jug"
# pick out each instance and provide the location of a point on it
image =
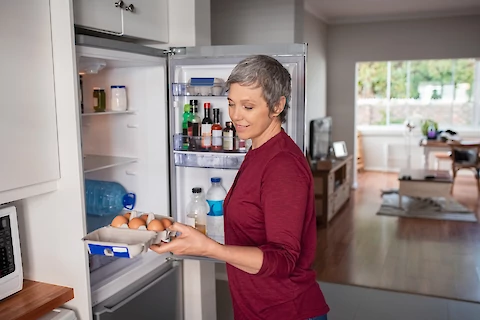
(107, 198)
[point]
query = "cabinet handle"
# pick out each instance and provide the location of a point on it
(119, 4)
(130, 8)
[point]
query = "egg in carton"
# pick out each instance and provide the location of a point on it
(120, 240)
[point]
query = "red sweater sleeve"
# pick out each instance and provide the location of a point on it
(284, 197)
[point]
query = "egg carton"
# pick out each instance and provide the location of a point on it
(123, 242)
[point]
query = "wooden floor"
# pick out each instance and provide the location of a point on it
(430, 257)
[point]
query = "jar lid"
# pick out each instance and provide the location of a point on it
(196, 190)
(117, 86)
(98, 88)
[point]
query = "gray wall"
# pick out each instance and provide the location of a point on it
(400, 40)
(315, 34)
(255, 21)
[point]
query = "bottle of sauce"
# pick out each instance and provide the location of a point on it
(197, 210)
(185, 131)
(206, 127)
(216, 131)
(229, 137)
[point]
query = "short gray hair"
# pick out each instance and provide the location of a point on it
(267, 73)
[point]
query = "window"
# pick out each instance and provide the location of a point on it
(446, 91)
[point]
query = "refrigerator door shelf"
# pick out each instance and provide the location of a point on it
(208, 159)
(187, 89)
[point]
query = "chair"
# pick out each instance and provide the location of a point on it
(465, 156)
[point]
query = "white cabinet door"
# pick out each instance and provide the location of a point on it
(28, 125)
(146, 19)
(102, 15)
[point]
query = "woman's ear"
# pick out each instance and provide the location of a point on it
(279, 106)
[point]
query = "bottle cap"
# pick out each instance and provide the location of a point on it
(186, 108)
(215, 179)
(194, 102)
(196, 190)
(117, 87)
(207, 105)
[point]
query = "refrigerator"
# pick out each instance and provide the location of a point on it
(136, 149)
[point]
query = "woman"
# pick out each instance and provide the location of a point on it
(270, 229)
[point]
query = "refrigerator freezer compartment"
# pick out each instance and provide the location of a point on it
(208, 160)
(122, 242)
(187, 89)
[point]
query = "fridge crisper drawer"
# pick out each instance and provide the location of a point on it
(208, 160)
(156, 296)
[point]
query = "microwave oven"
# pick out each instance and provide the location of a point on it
(11, 270)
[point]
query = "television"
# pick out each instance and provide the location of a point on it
(320, 139)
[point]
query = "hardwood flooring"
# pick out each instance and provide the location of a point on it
(420, 256)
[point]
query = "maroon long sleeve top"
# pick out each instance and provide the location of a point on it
(271, 206)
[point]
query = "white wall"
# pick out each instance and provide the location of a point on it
(399, 40)
(256, 22)
(315, 34)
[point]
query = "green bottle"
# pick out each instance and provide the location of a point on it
(186, 117)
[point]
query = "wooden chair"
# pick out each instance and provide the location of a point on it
(466, 156)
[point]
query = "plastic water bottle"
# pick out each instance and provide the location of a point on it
(107, 198)
(215, 197)
(197, 210)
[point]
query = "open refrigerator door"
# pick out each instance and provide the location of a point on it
(125, 148)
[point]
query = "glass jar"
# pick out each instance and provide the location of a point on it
(99, 102)
(118, 101)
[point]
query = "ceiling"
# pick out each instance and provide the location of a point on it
(354, 11)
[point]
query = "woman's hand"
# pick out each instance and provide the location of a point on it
(190, 242)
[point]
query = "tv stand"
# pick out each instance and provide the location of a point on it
(332, 182)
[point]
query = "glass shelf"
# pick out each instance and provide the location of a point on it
(87, 114)
(93, 163)
(205, 159)
(187, 90)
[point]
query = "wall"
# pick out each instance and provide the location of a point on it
(398, 40)
(256, 22)
(315, 34)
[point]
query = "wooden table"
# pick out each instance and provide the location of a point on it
(415, 184)
(34, 300)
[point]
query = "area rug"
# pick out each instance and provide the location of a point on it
(430, 208)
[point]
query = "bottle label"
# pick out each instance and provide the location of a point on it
(190, 221)
(206, 135)
(95, 102)
(190, 129)
(216, 207)
(215, 229)
(196, 129)
(217, 138)
(228, 140)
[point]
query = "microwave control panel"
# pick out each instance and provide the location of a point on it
(7, 260)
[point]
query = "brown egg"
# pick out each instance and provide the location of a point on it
(136, 223)
(155, 225)
(166, 222)
(127, 215)
(144, 217)
(118, 221)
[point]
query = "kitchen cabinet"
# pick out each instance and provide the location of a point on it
(28, 126)
(102, 15)
(147, 19)
(139, 19)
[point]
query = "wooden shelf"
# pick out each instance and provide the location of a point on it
(95, 162)
(34, 300)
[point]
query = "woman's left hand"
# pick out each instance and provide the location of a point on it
(190, 242)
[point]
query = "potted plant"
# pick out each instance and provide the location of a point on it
(430, 129)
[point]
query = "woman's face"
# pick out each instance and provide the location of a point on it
(250, 113)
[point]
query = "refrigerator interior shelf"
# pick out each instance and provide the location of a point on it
(95, 162)
(87, 114)
(214, 160)
(186, 89)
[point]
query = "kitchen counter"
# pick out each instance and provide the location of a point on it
(34, 300)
